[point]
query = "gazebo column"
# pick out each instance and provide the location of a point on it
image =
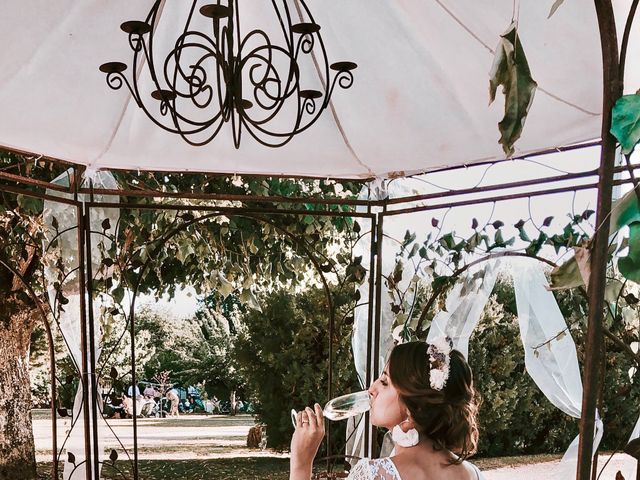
(612, 89)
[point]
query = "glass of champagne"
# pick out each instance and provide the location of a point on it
(343, 407)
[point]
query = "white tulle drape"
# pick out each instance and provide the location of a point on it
(550, 352)
(65, 247)
(464, 306)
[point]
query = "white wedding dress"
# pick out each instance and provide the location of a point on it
(384, 469)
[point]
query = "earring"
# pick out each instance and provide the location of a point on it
(407, 439)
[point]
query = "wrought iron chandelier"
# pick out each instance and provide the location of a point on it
(209, 79)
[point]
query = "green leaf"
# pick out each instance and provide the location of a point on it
(30, 205)
(248, 298)
(511, 70)
(566, 276)
(555, 7)
(118, 294)
(523, 235)
(629, 266)
(612, 290)
(625, 122)
(447, 241)
(225, 287)
(624, 211)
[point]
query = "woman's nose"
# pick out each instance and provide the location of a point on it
(372, 389)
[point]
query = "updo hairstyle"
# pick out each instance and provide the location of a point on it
(448, 416)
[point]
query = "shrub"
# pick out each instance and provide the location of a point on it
(516, 417)
(283, 354)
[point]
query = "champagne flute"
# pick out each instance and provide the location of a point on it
(343, 407)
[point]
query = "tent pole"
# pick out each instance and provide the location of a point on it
(612, 89)
(372, 308)
(375, 451)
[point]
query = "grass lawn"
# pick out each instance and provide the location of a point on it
(248, 468)
(251, 468)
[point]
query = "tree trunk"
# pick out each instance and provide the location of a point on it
(17, 452)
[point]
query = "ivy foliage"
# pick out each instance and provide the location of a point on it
(425, 270)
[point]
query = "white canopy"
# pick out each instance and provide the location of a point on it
(419, 99)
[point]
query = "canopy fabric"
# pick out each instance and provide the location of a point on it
(419, 99)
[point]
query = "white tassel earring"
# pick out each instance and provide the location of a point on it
(407, 439)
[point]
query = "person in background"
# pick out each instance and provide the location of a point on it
(149, 392)
(174, 398)
(131, 390)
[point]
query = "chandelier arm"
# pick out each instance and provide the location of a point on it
(167, 106)
(206, 140)
(178, 50)
(223, 93)
(270, 76)
(344, 78)
(293, 74)
(286, 30)
(287, 137)
(278, 101)
(115, 80)
(193, 80)
(324, 81)
(267, 46)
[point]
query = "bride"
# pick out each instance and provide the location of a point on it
(425, 396)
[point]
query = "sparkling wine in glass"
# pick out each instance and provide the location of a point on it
(343, 407)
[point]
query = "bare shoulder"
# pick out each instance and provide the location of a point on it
(460, 471)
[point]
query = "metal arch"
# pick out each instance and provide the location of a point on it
(52, 363)
(296, 240)
(461, 270)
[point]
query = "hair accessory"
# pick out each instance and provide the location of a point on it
(439, 361)
(407, 439)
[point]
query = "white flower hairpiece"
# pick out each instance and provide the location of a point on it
(439, 361)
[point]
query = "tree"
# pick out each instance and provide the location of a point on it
(19, 260)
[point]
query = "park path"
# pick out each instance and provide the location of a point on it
(547, 470)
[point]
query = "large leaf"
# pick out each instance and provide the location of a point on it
(575, 272)
(511, 70)
(566, 276)
(625, 123)
(629, 266)
(624, 211)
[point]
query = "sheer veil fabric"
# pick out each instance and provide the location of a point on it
(61, 221)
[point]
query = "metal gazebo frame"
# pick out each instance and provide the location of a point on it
(376, 211)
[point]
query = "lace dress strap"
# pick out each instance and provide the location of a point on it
(479, 475)
(377, 469)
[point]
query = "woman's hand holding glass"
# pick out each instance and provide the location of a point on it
(306, 439)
